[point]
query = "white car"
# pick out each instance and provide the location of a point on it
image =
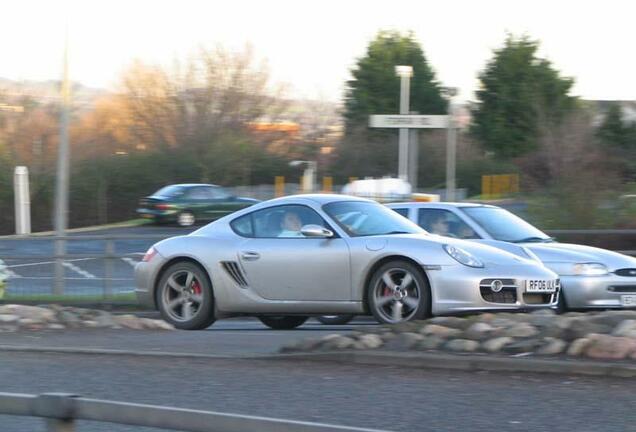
(590, 277)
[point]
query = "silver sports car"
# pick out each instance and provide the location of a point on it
(591, 277)
(290, 258)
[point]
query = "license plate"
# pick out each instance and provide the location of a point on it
(147, 216)
(541, 286)
(628, 300)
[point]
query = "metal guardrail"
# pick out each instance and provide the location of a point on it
(61, 411)
(60, 255)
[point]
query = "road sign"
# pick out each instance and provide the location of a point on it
(409, 121)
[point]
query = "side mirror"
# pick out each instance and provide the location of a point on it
(315, 231)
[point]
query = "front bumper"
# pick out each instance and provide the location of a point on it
(457, 289)
(582, 292)
(145, 275)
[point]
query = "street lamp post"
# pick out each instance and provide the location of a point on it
(451, 145)
(309, 175)
(405, 73)
(62, 183)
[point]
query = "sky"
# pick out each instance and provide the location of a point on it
(312, 45)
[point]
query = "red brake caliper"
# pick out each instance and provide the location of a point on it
(196, 288)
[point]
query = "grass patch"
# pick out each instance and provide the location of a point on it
(129, 298)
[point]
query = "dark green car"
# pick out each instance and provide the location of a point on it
(186, 204)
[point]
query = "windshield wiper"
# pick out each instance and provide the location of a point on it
(398, 232)
(534, 239)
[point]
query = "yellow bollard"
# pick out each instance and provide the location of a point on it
(279, 186)
(327, 184)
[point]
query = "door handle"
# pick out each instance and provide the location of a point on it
(250, 256)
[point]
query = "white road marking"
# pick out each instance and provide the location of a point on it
(76, 269)
(48, 262)
(130, 261)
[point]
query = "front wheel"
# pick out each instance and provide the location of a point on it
(399, 292)
(283, 322)
(335, 319)
(185, 297)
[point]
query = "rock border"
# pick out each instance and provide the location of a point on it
(606, 335)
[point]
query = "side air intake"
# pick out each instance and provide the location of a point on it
(235, 272)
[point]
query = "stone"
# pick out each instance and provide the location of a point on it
(429, 343)
(606, 347)
(439, 330)
(129, 321)
(502, 322)
(625, 328)
(371, 341)
(521, 330)
(581, 327)
(479, 331)
(31, 312)
(462, 345)
(496, 344)
(578, 346)
(411, 339)
(552, 346)
(522, 346)
(341, 342)
(8, 318)
(452, 322)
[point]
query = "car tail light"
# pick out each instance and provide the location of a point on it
(163, 206)
(150, 254)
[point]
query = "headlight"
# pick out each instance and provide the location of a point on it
(589, 269)
(463, 257)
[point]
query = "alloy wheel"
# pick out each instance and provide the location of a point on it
(182, 296)
(397, 295)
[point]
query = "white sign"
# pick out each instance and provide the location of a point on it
(409, 121)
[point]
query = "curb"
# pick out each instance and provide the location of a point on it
(470, 363)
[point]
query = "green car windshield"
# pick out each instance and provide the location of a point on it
(170, 191)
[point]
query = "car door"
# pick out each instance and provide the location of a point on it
(197, 200)
(283, 265)
(222, 203)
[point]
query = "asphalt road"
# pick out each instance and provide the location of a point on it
(83, 276)
(226, 337)
(395, 399)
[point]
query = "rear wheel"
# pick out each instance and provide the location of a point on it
(283, 322)
(185, 297)
(335, 319)
(186, 218)
(398, 292)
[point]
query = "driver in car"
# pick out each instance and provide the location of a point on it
(291, 225)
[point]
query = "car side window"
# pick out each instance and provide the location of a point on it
(198, 193)
(217, 192)
(277, 222)
(402, 211)
(445, 223)
(243, 226)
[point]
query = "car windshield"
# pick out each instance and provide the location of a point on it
(359, 218)
(169, 191)
(505, 226)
